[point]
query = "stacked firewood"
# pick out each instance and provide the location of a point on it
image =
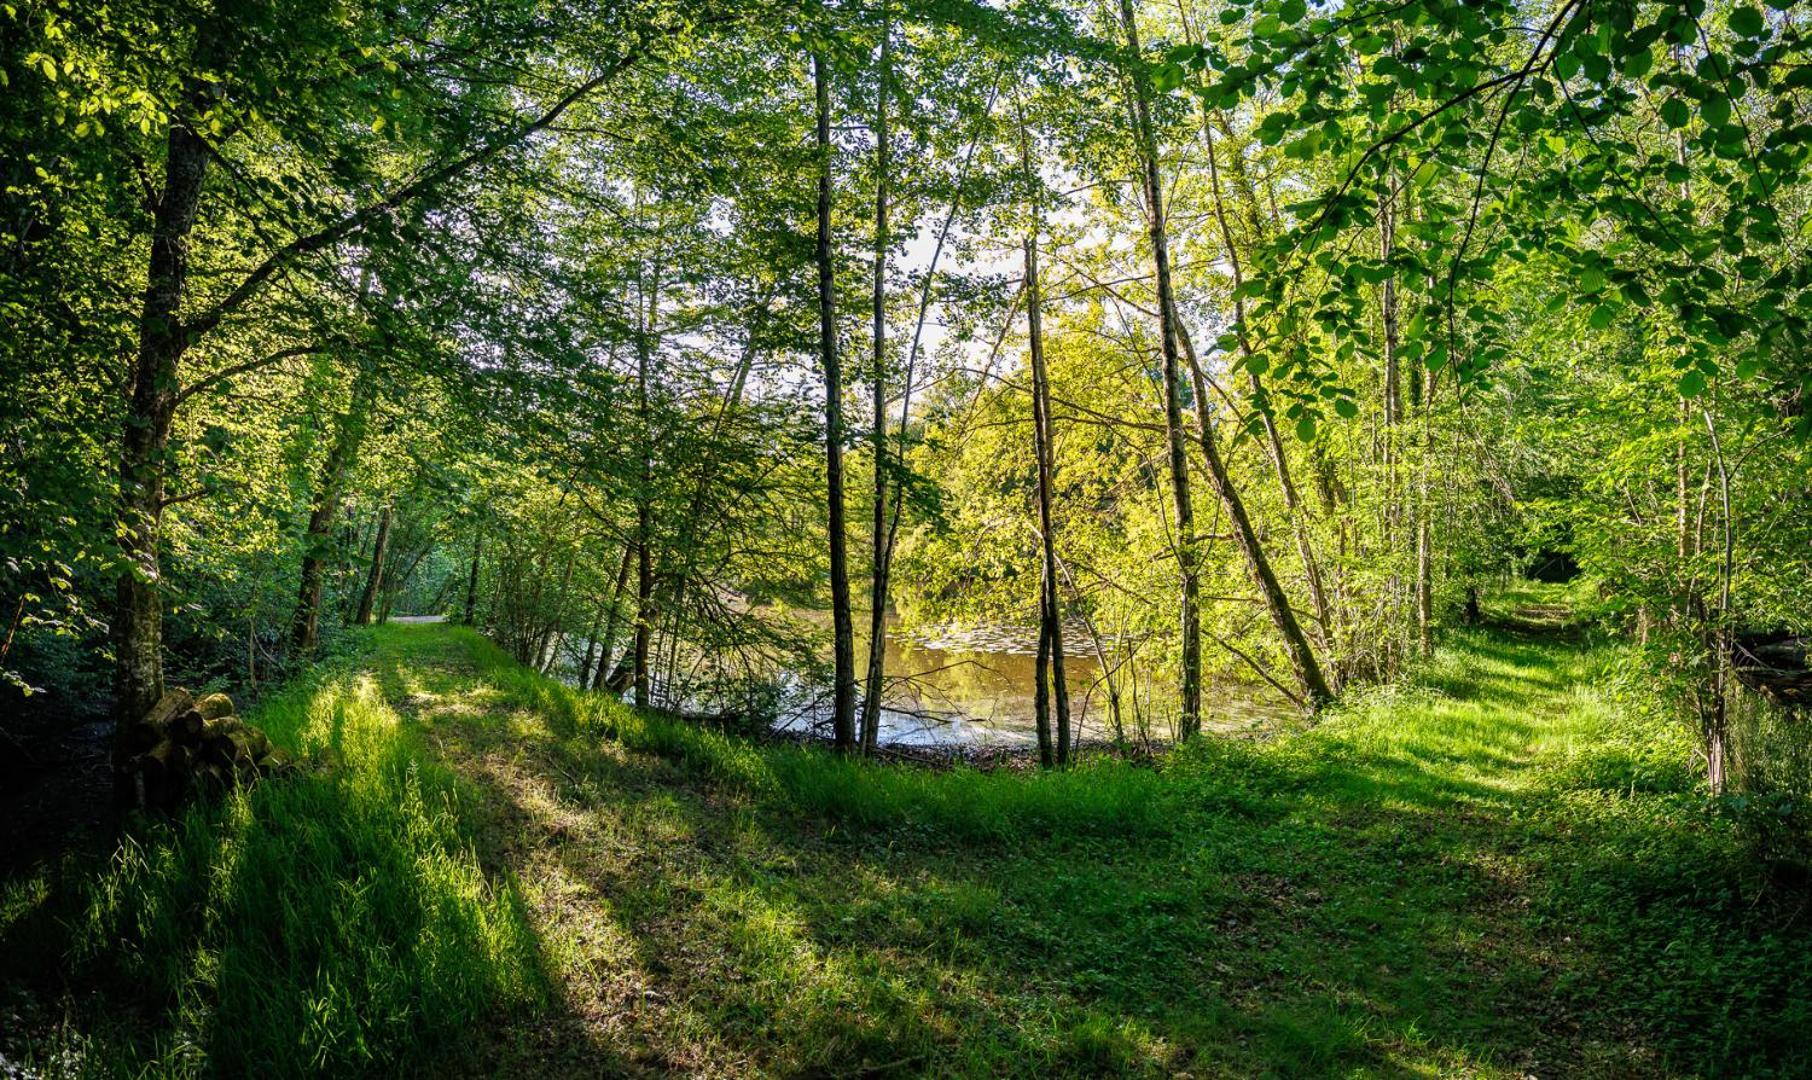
(188, 746)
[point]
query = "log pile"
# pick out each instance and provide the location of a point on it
(187, 746)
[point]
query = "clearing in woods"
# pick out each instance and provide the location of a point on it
(1492, 873)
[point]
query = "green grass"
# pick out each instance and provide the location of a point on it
(1491, 872)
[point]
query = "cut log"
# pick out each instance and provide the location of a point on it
(173, 702)
(185, 727)
(215, 706)
(183, 746)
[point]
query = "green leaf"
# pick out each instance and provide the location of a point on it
(1747, 22)
(1716, 110)
(1602, 316)
(1675, 113)
(1292, 11)
(1346, 407)
(1305, 429)
(1692, 384)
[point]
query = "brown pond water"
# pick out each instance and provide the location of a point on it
(974, 686)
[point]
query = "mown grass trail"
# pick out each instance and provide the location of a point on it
(1495, 873)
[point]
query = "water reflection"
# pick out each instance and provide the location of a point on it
(974, 686)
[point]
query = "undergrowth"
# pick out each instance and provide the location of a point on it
(1495, 869)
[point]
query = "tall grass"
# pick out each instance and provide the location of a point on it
(1101, 797)
(1385, 889)
(330, 922)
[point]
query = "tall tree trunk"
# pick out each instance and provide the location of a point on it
(1717, 718)
(305, 625)
(879, 567)
(471, 614)
(843, 699)
(587, 664)
(1050, 609)
(677, 580)
(1425, 530)
(1309, 677)
(1190, 691)
(374, 579)
(644, 508)
(1305, 549)
(605, 655)
(137, 625)
(1041, 695)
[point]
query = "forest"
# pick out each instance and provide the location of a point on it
(906, 537)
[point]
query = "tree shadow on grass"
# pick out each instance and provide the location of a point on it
(485, 884)
(717, 933)
(331, 922)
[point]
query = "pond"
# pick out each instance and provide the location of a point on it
(974, 686)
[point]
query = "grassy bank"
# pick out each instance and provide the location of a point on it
(1491, 873)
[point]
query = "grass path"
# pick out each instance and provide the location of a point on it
(1496, 873)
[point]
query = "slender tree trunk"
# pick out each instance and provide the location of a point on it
(1050, 612)
(1393, 379)
(1190, 691)
(471, 615)
(1425, 531)
(879, 567)
(1050, 607)
(644, 509)
(673, 600)
(587, 664)
(1717, 720)
(305, 625)
(137, 625)
(1307, 668)
(600, 679)
(374, 579)
(1305, 549)
(1041, 694)
(843, 700)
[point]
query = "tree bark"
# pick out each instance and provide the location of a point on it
(305, 625)
(1190, 691)
(644, 508)
(137, 628)
(843, 699)
(1041, 695)
(605, 655)
(879, 567)
(374, 580)
(471, 614)
(1425, 531)
(1050, 610)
